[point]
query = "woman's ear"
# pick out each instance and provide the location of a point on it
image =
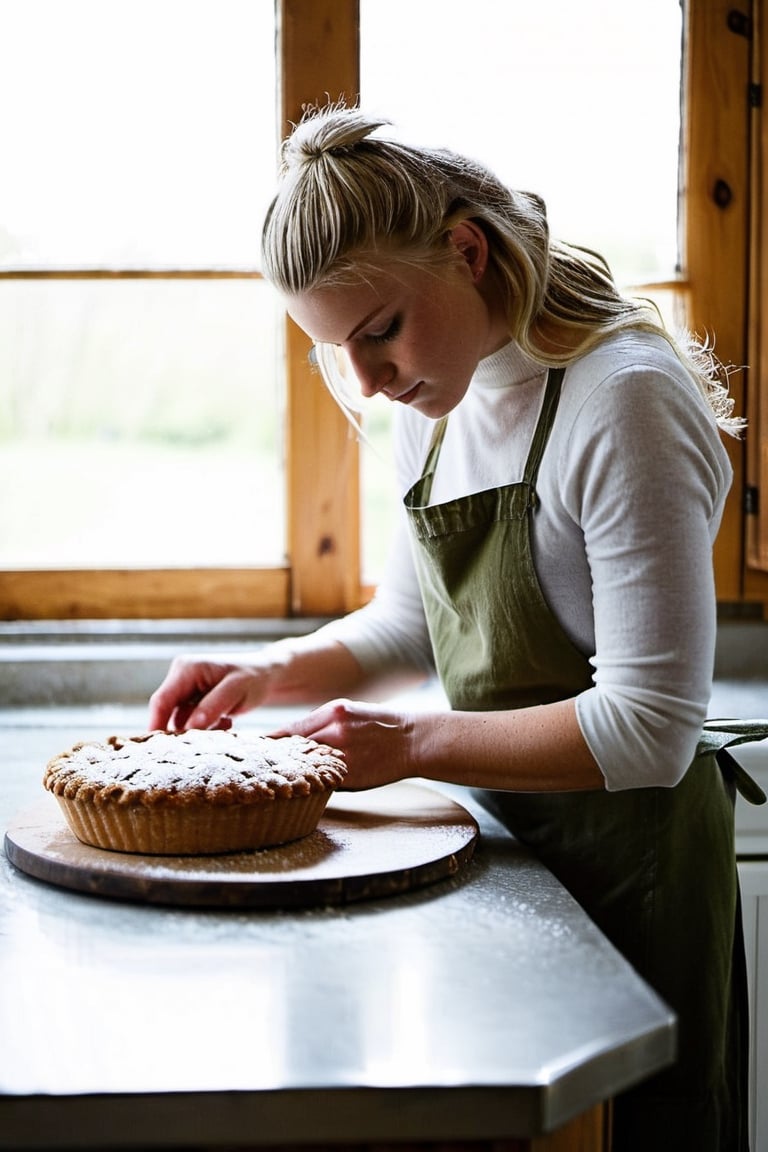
(472, 244)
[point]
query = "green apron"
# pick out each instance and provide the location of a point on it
(655, 867)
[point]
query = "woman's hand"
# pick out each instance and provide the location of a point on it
(377, 743)
(205, 693)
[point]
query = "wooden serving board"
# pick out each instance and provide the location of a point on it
(382, 842)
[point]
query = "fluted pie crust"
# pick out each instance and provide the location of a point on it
(194, 793)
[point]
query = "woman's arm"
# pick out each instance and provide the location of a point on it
(370, 654)
(644, 478)
(538, 749)
(205, 692)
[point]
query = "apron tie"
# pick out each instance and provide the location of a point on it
(720, 735)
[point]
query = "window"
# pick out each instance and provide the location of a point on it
(141, 417)
(166, 447)
(577, 102)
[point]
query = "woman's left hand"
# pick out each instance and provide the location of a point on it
(376, 742)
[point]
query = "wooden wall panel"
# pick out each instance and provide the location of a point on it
(716, 206)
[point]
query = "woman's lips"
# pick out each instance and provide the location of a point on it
(407, 396)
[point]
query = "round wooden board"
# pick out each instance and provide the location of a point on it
(382, 842)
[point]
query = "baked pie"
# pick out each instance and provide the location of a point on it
(196, 792)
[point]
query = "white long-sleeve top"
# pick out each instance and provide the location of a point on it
(630, 496)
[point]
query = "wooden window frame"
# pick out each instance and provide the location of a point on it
(317, 46)
(756, 511)
(725, 201)
(724, 207)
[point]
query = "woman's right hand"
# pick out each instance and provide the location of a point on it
(208, 691)
(202, 692)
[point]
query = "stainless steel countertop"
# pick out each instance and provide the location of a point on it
(483, 1007)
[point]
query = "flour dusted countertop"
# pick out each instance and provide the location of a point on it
(483, 1006)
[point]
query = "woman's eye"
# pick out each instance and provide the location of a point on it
(388, 334)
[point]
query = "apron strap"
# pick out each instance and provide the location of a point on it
(538, 443)
(544, 426)
(435, 445)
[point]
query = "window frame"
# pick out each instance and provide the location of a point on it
(724, 145)
(756, 504)
(317, 45)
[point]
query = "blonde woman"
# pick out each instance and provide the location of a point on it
(563, 480)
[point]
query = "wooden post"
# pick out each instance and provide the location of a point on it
(320, 39)
(757, 436)
(716, 217)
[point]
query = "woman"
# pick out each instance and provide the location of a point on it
(563, 481)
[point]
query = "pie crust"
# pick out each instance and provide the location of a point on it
(195, 792)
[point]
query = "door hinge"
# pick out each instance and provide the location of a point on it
(751, 500)
(755, 95)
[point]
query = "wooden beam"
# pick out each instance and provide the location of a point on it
(716, 168)
(756, 581)
(177, 593)
(318, 59)
(130, 274)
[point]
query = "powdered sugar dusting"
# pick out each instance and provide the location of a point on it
(224, 766)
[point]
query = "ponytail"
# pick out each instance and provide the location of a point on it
(349, 199)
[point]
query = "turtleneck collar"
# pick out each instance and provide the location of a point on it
(509, 366)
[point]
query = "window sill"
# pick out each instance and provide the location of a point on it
(75, 663)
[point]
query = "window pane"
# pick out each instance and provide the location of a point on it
(378, 487)
(577, 102)
(137, 132)
(139, 424)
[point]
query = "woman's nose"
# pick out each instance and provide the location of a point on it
(373, 371)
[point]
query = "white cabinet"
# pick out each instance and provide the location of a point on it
(754, 893)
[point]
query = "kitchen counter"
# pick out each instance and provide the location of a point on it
(483, 1007)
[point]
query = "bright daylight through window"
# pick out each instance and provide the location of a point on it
(579, 103)
(141, 417)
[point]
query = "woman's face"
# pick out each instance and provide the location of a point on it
(412, 333)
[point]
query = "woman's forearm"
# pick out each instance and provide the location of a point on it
(311, 669)
(527, 750)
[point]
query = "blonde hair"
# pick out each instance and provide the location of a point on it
(349, 200)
